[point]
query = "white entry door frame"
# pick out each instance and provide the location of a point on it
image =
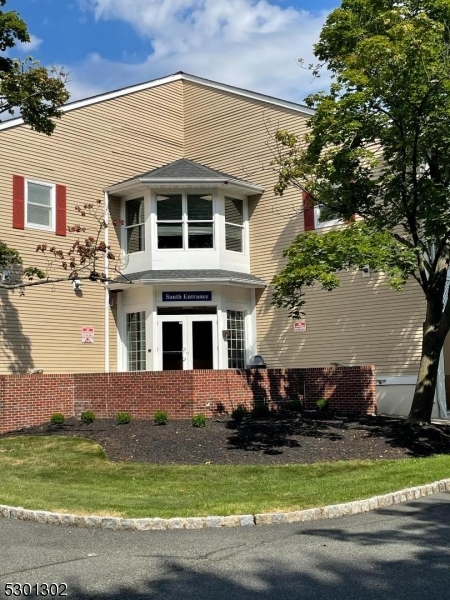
(187, 342)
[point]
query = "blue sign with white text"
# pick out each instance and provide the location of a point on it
(187, 296)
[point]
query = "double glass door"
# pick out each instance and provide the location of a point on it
(187, 342)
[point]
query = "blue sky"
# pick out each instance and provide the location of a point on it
(108, 44)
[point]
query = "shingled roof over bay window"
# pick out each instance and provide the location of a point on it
(185, 172)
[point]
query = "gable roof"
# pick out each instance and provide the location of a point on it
(180, 76)
(185, 171)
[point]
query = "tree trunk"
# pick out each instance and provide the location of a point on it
(422, 404)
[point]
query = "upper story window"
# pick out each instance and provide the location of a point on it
(234, 224)
(325, 216)
(134, 225)
(40, 205)
(185, 221)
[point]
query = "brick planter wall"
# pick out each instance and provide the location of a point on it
(30, 400)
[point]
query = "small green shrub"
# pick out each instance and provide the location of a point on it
(57, 419)
(199, 421)
(123, 417)
(261, 410)
(239, 413)
(161, 417)
(88, 416)
(295, 405)
(323, 404)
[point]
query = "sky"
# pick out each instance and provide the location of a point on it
(109, 44)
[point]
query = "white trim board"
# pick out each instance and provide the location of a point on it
(180, 76)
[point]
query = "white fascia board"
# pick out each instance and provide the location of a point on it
(169, 79)
(103, 97)
(200, 182)
(248, 94)
(217, 281)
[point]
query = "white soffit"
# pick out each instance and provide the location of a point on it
(169, 79)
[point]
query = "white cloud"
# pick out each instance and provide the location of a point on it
(247, 43)
(33, 44)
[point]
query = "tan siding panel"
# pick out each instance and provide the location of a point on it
(92, 148)
(363, 321)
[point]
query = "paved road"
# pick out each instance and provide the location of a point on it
(402, 552)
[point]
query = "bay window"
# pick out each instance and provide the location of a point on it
(185, 221)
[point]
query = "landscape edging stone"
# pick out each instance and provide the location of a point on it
(331, 511)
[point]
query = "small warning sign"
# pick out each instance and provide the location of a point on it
(299, 326)
(87, 334)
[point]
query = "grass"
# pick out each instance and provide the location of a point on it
(67, 474)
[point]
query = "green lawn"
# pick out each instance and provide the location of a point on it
(69, 474)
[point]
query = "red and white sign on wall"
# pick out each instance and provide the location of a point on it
(87, 334)
(299, 326)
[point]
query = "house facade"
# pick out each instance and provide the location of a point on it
(185, 165)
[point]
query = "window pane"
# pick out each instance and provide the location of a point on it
(233, 238)
(327, 214)
(134, 212)
(135, 239)
(170, 235)
(39, 194)
(169, 208)
(136, 341)
(39, 215)
(234, 211)
(236, 339)
(200, 235)
(199, 207)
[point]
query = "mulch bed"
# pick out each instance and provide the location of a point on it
(287, 438)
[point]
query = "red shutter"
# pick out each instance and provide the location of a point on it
(18, 202)
(61, 210)
(308, 212)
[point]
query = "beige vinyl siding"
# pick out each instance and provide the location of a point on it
(363, 321)
(92, 147)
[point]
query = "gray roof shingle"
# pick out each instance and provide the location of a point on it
(192, 275)
(185, 169)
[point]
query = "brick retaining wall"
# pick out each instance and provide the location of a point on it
(31, 399)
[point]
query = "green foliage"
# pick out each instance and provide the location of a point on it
(378, 147)
(260, 410)
(161, 417)
(88, 416)
(318, 258)
(25, 85)
(295, 405)
(239, 413)
(123, 418)
(323, 404)
(199, 420)
(57, 419)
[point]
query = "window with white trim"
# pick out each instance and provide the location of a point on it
(234, 225)
(325, 216)
(236, 339)
(135, 225)
(184, 221)
(135, 341)
(40, 205)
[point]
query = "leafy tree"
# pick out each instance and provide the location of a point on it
(379, 147)
(38, 94)
(26, 86)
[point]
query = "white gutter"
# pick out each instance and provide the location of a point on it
(218, 281)
(106, 217)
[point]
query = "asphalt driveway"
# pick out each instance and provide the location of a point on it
(401, 552)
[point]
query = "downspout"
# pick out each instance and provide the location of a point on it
(106, 216)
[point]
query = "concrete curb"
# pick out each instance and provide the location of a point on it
(312, 514)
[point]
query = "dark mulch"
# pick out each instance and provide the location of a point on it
(280, 439)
